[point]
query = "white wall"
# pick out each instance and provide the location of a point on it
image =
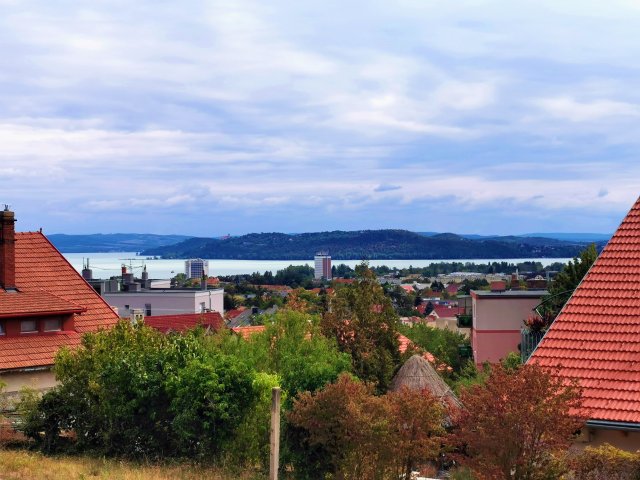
(167, 302)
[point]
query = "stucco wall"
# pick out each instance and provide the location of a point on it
(502, 313)
(39, 380)
(167, 302)
(493, 346)
(594, 437)
(497, 322)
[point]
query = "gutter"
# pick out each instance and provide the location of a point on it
(610, 425)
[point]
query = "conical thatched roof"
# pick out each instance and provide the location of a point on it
(418, 374)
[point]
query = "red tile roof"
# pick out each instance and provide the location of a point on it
(184, 322)
(45, 277)
(444, 311)
(230, 314)
(596, 337)
(34, 303)
(453, 288)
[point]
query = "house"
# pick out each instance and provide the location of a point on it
(44, 305)
(187, 321)
(169, 301)
(596, 340)
(452, 288)
(497, 320)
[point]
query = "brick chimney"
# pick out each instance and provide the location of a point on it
(7, 249)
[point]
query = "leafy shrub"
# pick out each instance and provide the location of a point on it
(607, 462)
(133, 391)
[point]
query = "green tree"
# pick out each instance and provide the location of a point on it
(293, 347)
(444, 344)
(365, 325)
(566, 282)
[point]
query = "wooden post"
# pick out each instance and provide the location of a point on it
(274, 460)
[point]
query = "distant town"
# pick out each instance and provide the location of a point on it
(454, 322)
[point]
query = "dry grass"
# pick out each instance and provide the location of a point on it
(20, 464)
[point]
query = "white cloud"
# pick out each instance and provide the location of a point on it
(570, 109)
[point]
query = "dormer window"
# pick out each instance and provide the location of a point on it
(28, 326)
(52, 325)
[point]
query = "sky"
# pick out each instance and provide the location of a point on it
(206, 118)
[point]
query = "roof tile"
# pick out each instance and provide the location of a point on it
(596, 337)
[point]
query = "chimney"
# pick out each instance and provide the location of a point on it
(7, 249)
(87, 273)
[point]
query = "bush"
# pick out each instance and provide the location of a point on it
(133, 391)
(607, 462)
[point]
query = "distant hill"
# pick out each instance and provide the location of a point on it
(369, 244)
(567, 237)
(112, 242)
(574, 237)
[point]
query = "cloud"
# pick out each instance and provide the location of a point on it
(301, 115)
(386, 188)
(570, 109)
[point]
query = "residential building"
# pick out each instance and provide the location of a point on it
(196, 268)
(166, 301)
(44, 305)
(322, 263)
(595, 340)
(497, 321)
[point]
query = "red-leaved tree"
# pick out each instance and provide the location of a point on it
(362, 435)
(518, 424)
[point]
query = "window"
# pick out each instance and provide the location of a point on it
(147, 309)
(1, 328)
(126, 307)
(202, 307)
(52, 325)
(27, 326)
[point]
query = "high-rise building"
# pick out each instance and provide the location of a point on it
(196, 267)
(322, 266)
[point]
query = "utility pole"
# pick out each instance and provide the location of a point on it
(274, 460)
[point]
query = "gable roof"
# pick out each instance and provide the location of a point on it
(184, 322)
(47, 284)
(596, 337)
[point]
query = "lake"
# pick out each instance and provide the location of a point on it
(105, 265)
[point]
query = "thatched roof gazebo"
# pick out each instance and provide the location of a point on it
(418, 374)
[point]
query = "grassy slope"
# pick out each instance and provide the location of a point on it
(19, 464)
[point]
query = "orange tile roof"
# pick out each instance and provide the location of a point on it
(185, 321)
(403, 343)
(596, 337)
(246, 332)
(44, 276)
(34, 303)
